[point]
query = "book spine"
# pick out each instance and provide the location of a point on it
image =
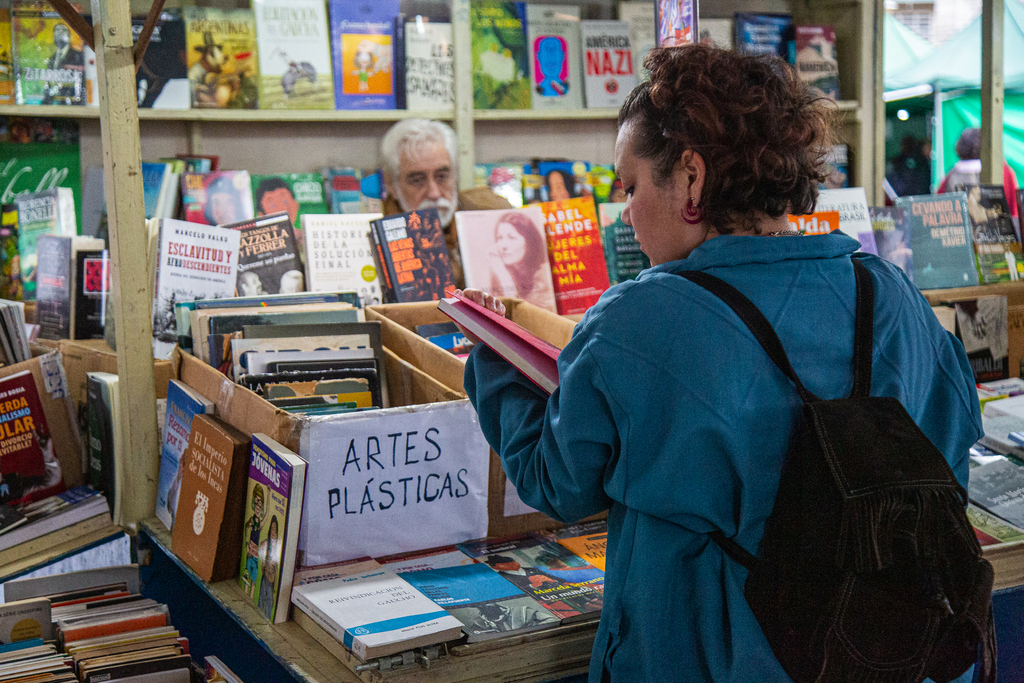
(398, 46)
(385, 267)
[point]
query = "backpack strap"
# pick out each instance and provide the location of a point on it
(863, 331)
(754, 319)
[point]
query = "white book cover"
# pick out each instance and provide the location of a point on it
(608, 71)
(194, 262)
(716, 32)
(854, 219)
(294, 54)
(429, 67)
(375, 613)
(643, 32)
(339, 254)
(553, 39)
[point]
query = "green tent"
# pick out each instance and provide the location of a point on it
(964, 111)
(903, 47)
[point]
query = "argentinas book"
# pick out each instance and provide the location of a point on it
(268, 256)
(578, 268)
(223, 70)
(940, 239)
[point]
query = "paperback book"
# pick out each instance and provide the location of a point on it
(25, 441)
(10, 267)
(296, 193)
(217, 198)
(51, 212)
(608, 74)
(59, 287)
(854, 220)
(587, 540)
(362, 46)
(982, 325)
(643, 31)
(294, 54)
(998, 488)
(677, 22)
(49, 58)
(578, 268)
(716, 33)
(6, 60)
(762, 34)
(340, 255)
(183, 404)
(892, 237)
(553, 32)
(505, 253)
(622, 252)
(1000, 258)
(268, 256)
(813, 52)
(223, 69)
(940, 240)
(103, 436)
(501, 71)
(413, 255)
(162, 79)
(429, 65)
(270, 534)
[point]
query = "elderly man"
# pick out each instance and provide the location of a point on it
(420, 173)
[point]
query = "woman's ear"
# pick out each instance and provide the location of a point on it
(692, 173)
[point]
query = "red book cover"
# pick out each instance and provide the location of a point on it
(23, 430)
(217, 198)
(578, 267)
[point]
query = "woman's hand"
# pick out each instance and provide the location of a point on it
(491, 303)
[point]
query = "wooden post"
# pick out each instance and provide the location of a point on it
(463, 66)
(874, 109)
(992, 92)
(131, 295)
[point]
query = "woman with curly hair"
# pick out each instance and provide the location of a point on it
(669, 414)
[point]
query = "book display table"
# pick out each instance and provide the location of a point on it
(220, 620)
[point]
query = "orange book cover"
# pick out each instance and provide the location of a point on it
(109, 628)
(820, 223)
(578, 266)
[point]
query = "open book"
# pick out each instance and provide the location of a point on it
(534, 357)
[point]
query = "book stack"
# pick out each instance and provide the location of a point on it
(89, 626)
(33, 527)
(13, 332)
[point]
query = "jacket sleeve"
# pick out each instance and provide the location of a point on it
(556, 449)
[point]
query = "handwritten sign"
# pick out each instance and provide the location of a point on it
(393, 481)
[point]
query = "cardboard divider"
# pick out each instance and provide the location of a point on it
(398, 333)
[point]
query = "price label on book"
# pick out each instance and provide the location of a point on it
(393, 481)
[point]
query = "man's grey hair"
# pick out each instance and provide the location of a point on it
(410, 136)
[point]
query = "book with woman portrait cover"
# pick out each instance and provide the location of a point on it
(217, 198)
(270, 534)
(268, 256)
(213, 490)
(505, 252)
(413, 256)
(578, 269)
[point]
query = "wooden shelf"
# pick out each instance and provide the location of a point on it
(545, 115)
(230, 115)
(67, 548)
(538, 656)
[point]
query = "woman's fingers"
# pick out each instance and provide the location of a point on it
(491, 303)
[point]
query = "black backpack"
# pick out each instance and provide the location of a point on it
(868, 571)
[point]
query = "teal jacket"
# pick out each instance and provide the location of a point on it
(670, 415)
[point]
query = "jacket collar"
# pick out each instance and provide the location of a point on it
(734, 250)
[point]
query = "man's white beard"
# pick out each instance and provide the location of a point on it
(445, 208)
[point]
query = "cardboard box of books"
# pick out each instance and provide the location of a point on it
(506, 513)
(411, 476)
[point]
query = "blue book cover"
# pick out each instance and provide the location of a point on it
(940, 240)
(362, 47)
(152, 182)
(762, 34)
(182, 405)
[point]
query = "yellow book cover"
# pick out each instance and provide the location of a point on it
(222, 62)
(6, 58)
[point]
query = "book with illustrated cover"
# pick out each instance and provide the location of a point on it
(343, 190)
(762, 34)
(92, 293)
(25, 619)
(268, 256)
(505, 253)
(534, 357)
(488, 605)
(51, 212)
(501, 60)
(572, 589)
(813, 52)
(413, 255)
(643, 32)
(193, 262)
(270, 533)
(362, 37)
(578, 269)
(350, 608)
(214, 469)
(340, 255)
(25, 439)
(59, 286)
(183, 404)
(296, 193)
(587, 540)
(49, 58)
(998, 488)
(294, 54)
(223, 69)
(622, 252)
(608, 71)
(553, 34)
(10, 260)
(941, 240)
(990, 529)
(217, 198)
(429, 65)
(505, 180)
(982, 325)
(677, 22)
(1000, 258)
(162, 79)
(892, 237)
(6, 57)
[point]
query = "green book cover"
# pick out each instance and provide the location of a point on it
(38, 166)
(41, 213)
(621, 250)
(501, 72)
(296, 193)
(940, 239)
(49, 58)
(1000, 258)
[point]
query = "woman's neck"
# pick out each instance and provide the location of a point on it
(763, 225)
